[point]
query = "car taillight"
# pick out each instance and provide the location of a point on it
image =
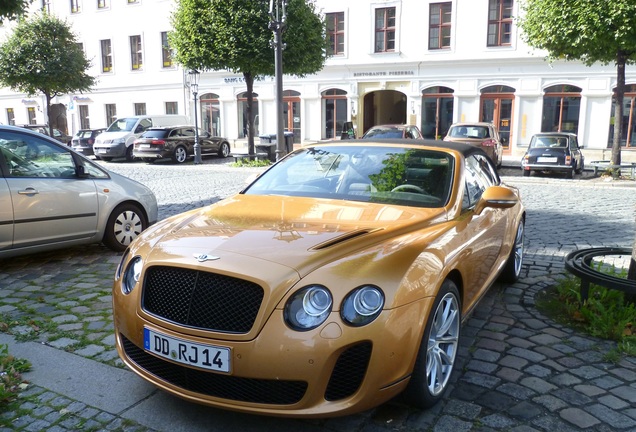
(158, 142)
(489, 143)
(568, 160)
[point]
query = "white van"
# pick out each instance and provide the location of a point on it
(117, 140)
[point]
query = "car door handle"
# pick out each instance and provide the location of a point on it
(28, 191)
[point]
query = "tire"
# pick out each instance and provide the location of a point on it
(148, 160)
(579, 169)
(512, 269)
(129, 154)
(570, 174)
(124, 225)
(180, 155)
(224, 150)
(438, 349)
(526, 173)
(106, 159)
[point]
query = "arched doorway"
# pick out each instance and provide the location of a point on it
(334, 109)
(437, 112)
(242, 113)
(384, 107)
(628, 131)
(291, 113)
(211, 114)
(496, 107)
(561, 108)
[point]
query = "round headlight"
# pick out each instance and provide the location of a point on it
(308, 308)
(362, 305)
(131, 275)
(122, 261)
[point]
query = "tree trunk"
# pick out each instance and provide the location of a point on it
(631, 273)
(249, 83)
(47, 120)
(621, 60)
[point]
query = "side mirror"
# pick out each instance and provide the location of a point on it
(80, 171)
(497, 197)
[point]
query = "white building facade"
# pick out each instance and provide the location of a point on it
(423, 62)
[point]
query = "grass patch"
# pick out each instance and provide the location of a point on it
(246, 162)
(606, 314)
(11, 381)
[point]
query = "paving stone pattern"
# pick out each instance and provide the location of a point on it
(516, 369)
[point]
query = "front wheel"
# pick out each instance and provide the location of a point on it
(526, 173)
(124, 225)
(129, 154)
(224, 150)
(512, 270)
(438, 349)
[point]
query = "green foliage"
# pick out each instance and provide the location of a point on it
(607, 313)
(12, 9)
(11, 370)
(586, 30)
(235, 35)
(42, 56)
(245, 162)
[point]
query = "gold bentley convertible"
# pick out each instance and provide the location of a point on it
(335, 281)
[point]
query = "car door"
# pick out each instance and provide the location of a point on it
(485, 230)
(50, 202)
(6, 207)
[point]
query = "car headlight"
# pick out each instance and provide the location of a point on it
(131, 275)
(308, 308)
(362, 305)
(122, 261)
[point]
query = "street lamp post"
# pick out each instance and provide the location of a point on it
(194, 88)
(278, 19)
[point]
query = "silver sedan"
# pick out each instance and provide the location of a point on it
(52, 197)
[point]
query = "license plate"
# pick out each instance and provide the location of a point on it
(189, 353)
(146, 146)
(547, 159)
(100, 151)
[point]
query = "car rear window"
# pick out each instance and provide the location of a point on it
(155, 133)
(384, 133)
(84, 134)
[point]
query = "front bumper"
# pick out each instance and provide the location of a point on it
(547, 167)
(332, 370)
(110, 150)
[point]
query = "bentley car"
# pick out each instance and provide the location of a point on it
(335, 281)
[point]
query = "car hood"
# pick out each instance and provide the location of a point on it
(292, 232)
(112, 135)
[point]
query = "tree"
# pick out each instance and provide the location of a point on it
(234, 35)
(12, 9)
(591, 31)
(42, 55)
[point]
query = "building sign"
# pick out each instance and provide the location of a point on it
(384, 73)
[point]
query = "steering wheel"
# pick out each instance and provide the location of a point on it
(408, 188)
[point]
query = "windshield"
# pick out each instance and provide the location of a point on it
(391, 175)
(384, 133)
(122, 124)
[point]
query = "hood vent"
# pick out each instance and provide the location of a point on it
(345, 237)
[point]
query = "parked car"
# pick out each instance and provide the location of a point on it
(84, 139)
(553, 152)
(393, 131)
(335, 281)
(52, 197)
(480, 134)
(177, 143)
(44, 129)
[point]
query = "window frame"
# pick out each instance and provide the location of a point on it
(385, 30)
(166, 52)
(136, 52)
(498, 22)
(445, 10)
(335, 36)
(107, 58)
(111, 113)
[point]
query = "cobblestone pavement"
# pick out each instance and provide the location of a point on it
(516, 370)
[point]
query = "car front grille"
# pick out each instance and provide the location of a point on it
(201, 300)
(349, 372)
(275, 392)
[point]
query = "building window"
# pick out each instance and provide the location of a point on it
(172, 108)
(439, 27)
(107, 56)
(140, 108)
(75, 6)
(83, 117)
(111, 113)
(102, 4)
(335, 33)
(334, 107)
(499, 22)
(561, 107)
(385, 29)
(628, 131)
(31, 115)
(437, 112)
(211, 113)
(10, 116)
(136, 55)
(133, 1)
(242, 112)
(166, 52)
